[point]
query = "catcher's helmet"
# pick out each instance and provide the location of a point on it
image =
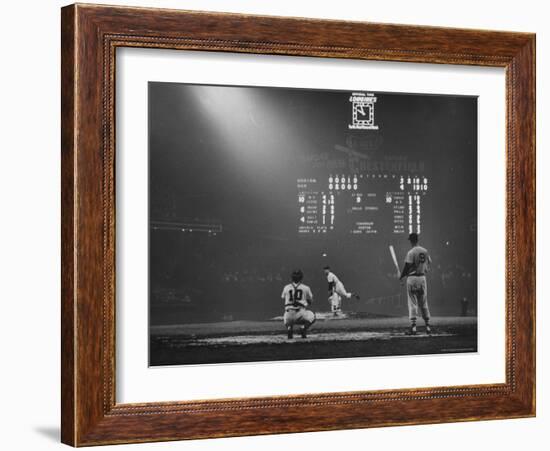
(297, 275)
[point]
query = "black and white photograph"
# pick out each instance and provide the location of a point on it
(292, 224)
(241, 225)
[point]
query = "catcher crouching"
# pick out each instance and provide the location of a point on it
(297, 298)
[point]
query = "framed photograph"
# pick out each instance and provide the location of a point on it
(271, 221)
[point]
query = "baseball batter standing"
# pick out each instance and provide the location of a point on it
(297, 297)
(417, 264)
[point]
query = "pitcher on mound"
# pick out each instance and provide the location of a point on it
(336, 291)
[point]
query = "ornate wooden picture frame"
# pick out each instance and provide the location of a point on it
(91, 414)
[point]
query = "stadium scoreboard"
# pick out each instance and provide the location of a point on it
(360, 204)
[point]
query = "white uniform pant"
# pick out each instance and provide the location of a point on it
(335, 298)
(417, 296)
(341, 290)
(335, 302)
(301, 316)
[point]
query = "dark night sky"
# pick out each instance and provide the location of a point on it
(232, 155)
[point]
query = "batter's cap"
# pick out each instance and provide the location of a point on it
(413, 237)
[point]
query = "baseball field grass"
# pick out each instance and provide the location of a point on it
(329, 338)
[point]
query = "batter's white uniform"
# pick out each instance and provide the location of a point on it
(297, 297)
(338, 291)
(419, 262)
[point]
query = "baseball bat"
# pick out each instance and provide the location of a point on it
(394, 258)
